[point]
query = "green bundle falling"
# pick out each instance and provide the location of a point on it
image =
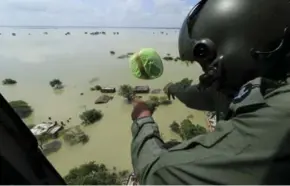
(146, 64)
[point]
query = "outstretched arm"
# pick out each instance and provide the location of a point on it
(229, 155)
(147, 144)
(195, 98)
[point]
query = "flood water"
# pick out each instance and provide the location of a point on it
(34, 59)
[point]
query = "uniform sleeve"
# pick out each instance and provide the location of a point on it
(194, 98)
(218, 157)
(147, 144)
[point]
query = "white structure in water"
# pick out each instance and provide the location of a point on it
(42, 128)
(211, 120)
(132, 180)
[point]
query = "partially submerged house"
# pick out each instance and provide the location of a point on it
(103, 99)
(41, 128)
(141, 90)
(55, 130)
(46, 128)
(108, 90)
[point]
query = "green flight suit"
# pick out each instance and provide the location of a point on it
(252, 146)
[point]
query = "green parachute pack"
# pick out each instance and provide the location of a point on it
(146, 64)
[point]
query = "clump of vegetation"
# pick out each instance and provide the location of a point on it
(127, 92)
(112, 52)
(45, 33)
(152, 105)
(75, 136)
(177, 59)
(154, 99)
(95, 174)
(175, 127)
(96, 88)
(9, 81)
(91, 116)
(13, 34)
(95, 33)
(56, 84)
(94, 79)
(190, 116)
(21, 108)
(168, 58)
(86, 32)
(187, 130)
(163, 100)
(186, 81)
(68, 33)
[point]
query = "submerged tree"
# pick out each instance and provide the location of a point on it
(75, 136)
(55, 82)
(175, 127)
(127, 92)
(21, 108)
(94, 174)
(9, 81)
(163, 100)
(154, 99)
(186, 81)
(189, 130)
(97, 88)
(91, 116)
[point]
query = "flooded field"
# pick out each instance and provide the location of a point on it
(81, 61)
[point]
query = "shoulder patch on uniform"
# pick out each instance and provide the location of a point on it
(243, 93)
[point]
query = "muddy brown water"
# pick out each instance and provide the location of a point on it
(82, 61)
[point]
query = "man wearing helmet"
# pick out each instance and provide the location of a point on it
(243, 47)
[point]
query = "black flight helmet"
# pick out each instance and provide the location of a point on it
(235, 41)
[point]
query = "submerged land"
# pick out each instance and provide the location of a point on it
(59, 73)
